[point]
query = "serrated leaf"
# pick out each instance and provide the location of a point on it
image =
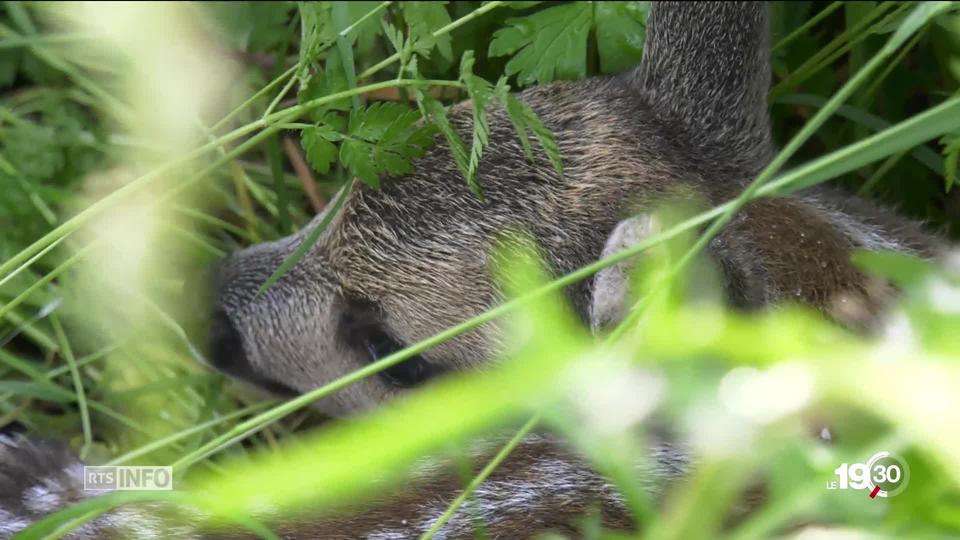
(357, 156)
(547, 45)
(317, 30)
(480, 92)
(437, 114)
(383, 138)
(316, 34)
(551, 44)
(422, 19)
(517, 117)
(390, 162)
(621, 29)
(524, 118)
(394, 36)
(319, 149)
(373, 122)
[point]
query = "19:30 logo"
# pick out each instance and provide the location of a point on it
(885, 474)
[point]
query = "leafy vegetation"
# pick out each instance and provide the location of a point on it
(865, 95)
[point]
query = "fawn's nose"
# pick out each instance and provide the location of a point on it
(215, 330)
(216, 333)
(210, 327)
(225, 345)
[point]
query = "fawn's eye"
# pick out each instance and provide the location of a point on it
(408, 373)
(361, 328)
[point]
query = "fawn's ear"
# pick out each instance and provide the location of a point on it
(611, 299)
(716, 275)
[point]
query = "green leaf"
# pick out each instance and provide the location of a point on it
(394, 36)
(33, 150)
(917, 18)
(522, 5)
(46, 392)
(9, 64)
(922, 154)
(547, 45)
(950, 166)
(342, 21)
(276, 161)
(422, 19)
(951, 151)
(933, 122)
(480, 92)
(900, 268)
(383, 138)
(316, 34)
(317, 145)
(364, 36)
(524, 118)
(437, 114)
(358, 157)
(331, 81)
(621, 28)
(517, 116)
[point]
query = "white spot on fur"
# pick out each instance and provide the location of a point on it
(867, 236)
(138, 520)
(389, 535)
(10, 524)
(41, 500)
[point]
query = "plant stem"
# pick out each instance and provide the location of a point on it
(170, 439)
(489, 6)
(803, 29)
(67, 353)
(481, 477)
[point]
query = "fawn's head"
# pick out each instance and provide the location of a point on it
(400, 264)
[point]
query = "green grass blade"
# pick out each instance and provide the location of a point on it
(291, 260)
